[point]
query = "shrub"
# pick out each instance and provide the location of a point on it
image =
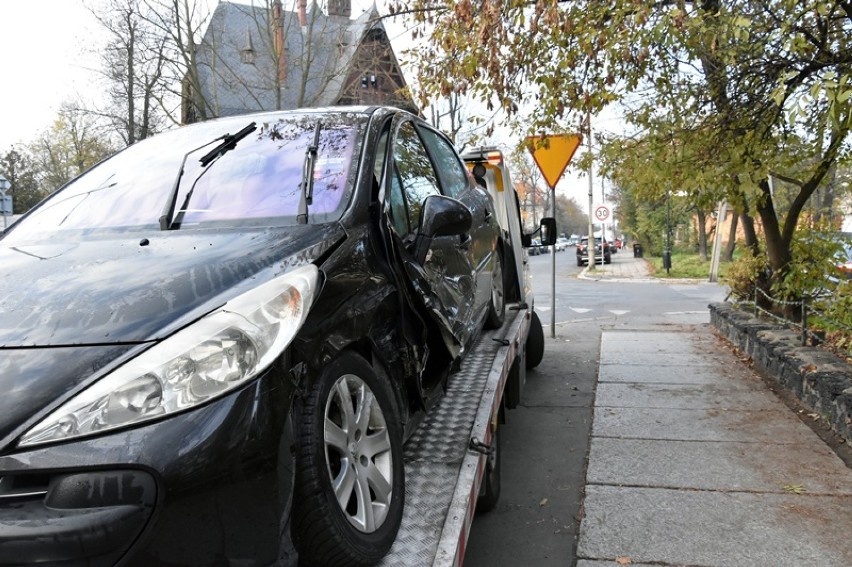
(743, 273)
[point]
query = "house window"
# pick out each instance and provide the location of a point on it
(247, 52)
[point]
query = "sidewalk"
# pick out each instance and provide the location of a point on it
(694, 461)
(624, 267)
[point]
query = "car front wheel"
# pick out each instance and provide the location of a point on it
(349, 489)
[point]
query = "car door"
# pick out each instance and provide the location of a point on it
(456, 183)
(446, 280)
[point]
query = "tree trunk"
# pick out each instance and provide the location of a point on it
(728, 254)
(750, 233)
(702, 234)
(777, 248)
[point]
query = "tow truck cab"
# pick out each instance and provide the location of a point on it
(489, 168)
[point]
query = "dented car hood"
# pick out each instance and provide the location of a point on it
(131, 289)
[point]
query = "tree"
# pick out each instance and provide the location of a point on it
(768, 82)
(18, 168)
(134, 61)
(570, 218)
(74, 144)
(179, 23)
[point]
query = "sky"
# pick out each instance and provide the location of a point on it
(46, 58)
(49, 56)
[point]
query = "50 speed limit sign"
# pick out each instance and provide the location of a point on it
(602, 212)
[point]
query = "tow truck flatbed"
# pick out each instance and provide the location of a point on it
(445, 457)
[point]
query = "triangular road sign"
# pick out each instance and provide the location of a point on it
(553, 154)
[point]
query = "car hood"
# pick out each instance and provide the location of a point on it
(129, 289)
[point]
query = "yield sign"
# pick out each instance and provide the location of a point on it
(552, 154)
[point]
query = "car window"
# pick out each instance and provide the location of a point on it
(453, 173)
(398, 211)
(414, 173)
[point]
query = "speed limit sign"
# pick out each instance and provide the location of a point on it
(602, 212)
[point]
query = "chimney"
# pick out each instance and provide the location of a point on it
(340, 8)
(303, 13)
(278, 34)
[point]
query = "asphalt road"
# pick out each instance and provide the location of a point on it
(545, 441)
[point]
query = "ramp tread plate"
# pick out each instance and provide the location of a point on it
(433, 457)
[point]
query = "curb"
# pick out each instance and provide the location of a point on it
(820, 380)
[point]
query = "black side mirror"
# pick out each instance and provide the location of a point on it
(548, 231)
(444, 216)
(440, 216)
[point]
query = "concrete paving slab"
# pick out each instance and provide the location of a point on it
(649, 341)
(702, 465)
(686, 374)
(702, 425)
(660, 360)
(660, 526)
(685, 396)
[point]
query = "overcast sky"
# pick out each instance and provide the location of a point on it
(46, 58)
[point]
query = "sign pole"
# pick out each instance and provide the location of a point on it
(591, 246)
(551, 155)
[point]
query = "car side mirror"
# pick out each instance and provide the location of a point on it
(547, 230)
(440, 216)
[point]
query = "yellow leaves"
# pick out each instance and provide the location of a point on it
(794, 488)
(623, 560)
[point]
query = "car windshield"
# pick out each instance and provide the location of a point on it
(258, 182)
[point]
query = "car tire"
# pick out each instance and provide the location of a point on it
(608, 259)
(580, 262)
(535, 342)
(350, 442)
(497, 305)
(489, 490)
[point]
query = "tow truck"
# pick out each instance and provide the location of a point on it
(452, 461)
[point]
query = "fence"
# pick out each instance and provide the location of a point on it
(807, 308)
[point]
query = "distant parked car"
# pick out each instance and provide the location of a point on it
(561, 244)
(601, 251)
(536, 248)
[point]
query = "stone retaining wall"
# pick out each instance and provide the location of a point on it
(820, 379)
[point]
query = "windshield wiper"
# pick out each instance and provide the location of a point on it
(229, 142)
(307, 193)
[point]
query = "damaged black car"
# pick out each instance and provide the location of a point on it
(214, 344)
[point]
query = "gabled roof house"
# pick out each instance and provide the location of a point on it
(255, 58)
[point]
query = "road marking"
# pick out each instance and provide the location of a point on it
(617, 312)
(579, 310)
(685, 312)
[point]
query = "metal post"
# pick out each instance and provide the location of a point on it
(755, 298)
(591, 247)
(553, 270)
(717, 242)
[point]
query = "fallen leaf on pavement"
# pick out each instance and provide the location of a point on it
(794, 488)
(623, 560)
(543, 502)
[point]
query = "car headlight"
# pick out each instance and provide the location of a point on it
(214, 355)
